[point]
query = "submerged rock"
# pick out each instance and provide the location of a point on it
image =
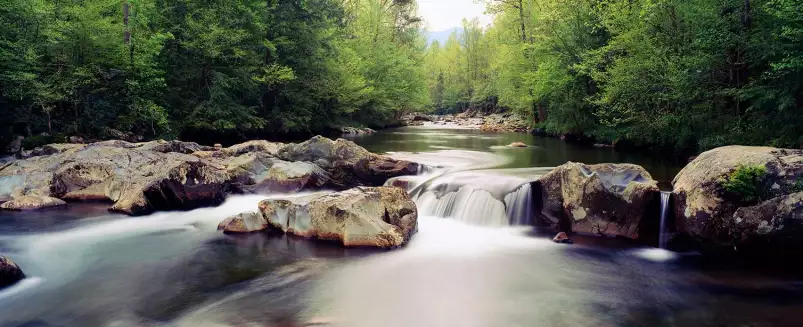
(603, 199)
(10, 273)
(705, 211)
(562, 238)
(246, 222)
(383, 217)
(517, 145)
(30, 202)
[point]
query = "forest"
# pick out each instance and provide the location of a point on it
(677, 75)
(205, 70)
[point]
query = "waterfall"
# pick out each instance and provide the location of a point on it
(484, 198)
(467, 204)
(519, 205)
(662, 233)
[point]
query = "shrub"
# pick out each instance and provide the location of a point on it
(747, 182)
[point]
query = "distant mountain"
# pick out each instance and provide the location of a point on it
(442, 36)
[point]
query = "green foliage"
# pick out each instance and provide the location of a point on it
(683, 75)
(204, 68)
(747, 182)
(798, 187)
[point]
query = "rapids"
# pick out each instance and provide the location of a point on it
(473, 262)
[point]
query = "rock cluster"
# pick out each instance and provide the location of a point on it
(139, 178)
(383, 217)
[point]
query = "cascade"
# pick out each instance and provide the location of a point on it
(519, 205)
(484, 198)
(662, 233)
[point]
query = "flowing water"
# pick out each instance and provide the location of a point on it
(663, 234)
(473, 262)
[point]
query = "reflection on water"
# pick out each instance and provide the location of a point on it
(541, 151)
(90, 268)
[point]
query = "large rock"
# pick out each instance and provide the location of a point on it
(348, 164)
(715, 218)
(247, 222)
(382, 217)
(773, 228)
(258, 172)
(137, 181)
(139, 178)
(604, 199)
(10, 273)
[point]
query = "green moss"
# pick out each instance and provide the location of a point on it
(747, 182)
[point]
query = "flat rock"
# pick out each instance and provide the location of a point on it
(31, 202)
(247, 222)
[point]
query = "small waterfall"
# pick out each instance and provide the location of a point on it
(662, 233)
(467, 204)
(477, 197)
(519, 205)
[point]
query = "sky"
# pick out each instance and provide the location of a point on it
(444, 14)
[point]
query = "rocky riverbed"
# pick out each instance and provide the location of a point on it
(496, 122)
(139, 178)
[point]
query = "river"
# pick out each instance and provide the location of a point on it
(479, 266)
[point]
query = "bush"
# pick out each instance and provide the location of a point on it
(747, 182)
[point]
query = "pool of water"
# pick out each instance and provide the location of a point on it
(90, 268)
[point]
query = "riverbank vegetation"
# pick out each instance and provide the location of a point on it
(683, 75)
(205, 69)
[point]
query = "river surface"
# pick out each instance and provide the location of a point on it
(474, 262)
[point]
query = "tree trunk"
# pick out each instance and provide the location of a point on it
(521, 20)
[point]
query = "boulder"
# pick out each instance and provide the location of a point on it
(10, 273)
(160, 175)
(259, 172)
(286, 176)
(270, 148)
(75, 140)
(517, 145)
(137, 181)
(383, 217)
(116, 134)
(174, 146)
(773, 228)
(348, 164)
(717, 219)
(246, 222)
(30, 202)
(603, 199)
